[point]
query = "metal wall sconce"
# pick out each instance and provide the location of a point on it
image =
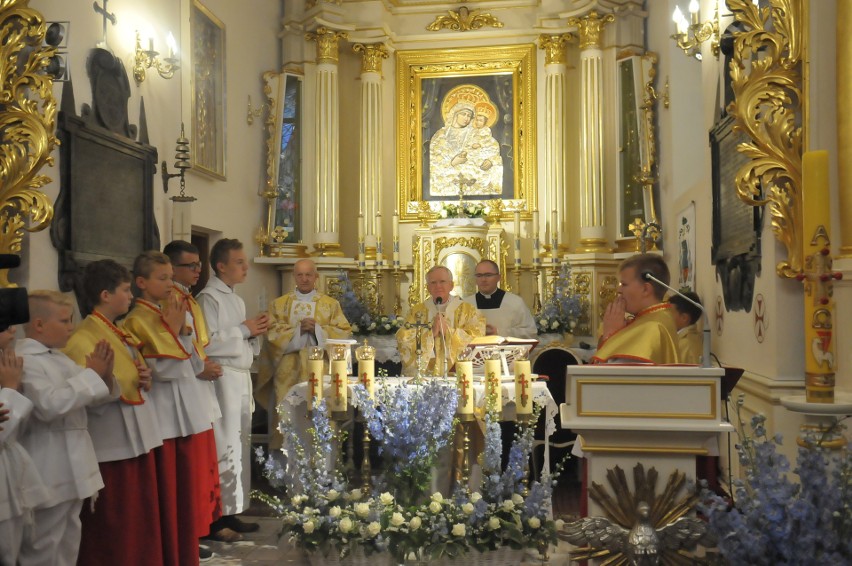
(253, 113)
(690, 35)
(56, 36)
(147, 58)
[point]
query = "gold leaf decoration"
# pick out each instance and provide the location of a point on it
(766, 76)
(464, 20)
(27, 125)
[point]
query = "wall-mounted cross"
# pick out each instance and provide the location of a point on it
(106, 16)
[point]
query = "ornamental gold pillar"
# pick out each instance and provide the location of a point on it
(326, 147)
(844, 124)
(592, 220)
(371, 144)
(555, 81)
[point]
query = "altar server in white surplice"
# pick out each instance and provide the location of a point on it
(506, 314)
(56, 434)
(233, 344)
(21, 488)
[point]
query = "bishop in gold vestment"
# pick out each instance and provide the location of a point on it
(453, 324)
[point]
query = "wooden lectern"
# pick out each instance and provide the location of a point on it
(661, 416)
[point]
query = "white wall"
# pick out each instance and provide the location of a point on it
(230, 208)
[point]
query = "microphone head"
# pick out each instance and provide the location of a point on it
(646, 276)
(439, 300)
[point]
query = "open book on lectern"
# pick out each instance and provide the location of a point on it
(509, 347)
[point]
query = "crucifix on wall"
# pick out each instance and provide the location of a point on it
(106, 16)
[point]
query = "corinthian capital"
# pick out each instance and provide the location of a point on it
(327, 43)
(371, 56)
(554, 47)
(590, 28)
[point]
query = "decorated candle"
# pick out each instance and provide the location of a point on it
(523, 387)
(395, 242)
(315, 367)
(493, 391)
(366, 355)
(554, 232)
(518, 238)
(464, 381)
(339, 380)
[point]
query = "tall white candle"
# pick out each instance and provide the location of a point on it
(367, 375)
(395, 242)
(339, 386)
(535, 236)
(379, 255)
(464, 382)
(523, 387)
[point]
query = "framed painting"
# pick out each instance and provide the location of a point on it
(207, 48)
(466, 127)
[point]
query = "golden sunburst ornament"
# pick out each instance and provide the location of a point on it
(641, 527)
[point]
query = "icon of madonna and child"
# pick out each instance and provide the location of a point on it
(463, 153)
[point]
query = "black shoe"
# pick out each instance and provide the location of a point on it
(204, 553)
(236, 524)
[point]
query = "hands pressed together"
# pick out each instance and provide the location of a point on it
(102, 361)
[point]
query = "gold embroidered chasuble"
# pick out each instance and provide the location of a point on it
(290, 368)
(95, 328)
(158, 341)
(651, 337)
(690, 345)
(466, 323)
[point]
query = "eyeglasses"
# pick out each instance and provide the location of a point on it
(195, 266)
(481, 275)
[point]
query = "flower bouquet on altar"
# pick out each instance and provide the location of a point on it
(562, 309)
(399, 515)
(463, 209)
(362, 321)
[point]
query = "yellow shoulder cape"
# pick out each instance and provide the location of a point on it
(158, 340)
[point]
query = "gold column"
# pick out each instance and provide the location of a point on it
(555, 80)
(592, 221)
(371, 141)
(327, 209)
(844, 124)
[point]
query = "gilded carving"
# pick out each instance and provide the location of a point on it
(464, 19)
(554, 47)
(27, 125)
(607, 293)
(327, 43)
(590, 28)
(583, 290)
(371, 56)
(766, 76)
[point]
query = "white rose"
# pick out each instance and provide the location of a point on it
(443, 214)
(508, 505)
(386, 498)
(355, 495)
(354, 328)
(438, 497)
(467, 508)
(414, 523)
(397, 520)
(309, 527)
(372, 326)
(297, 500)
(309, 511)
(554, 325)
(435, 507)
(517, 498)
(458, 530)
(334, 512)
(387, 327)
(559, 524)
(373, 529)
(493, 523)
(475, 496)
(332, 494)
(534, 522)
(543, 322)
(345, 525)
(362, 509)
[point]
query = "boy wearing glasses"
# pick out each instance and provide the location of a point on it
(506, 314)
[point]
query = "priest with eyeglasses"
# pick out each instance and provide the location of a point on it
(506, 314)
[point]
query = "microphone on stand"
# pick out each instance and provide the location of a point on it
(705, 355)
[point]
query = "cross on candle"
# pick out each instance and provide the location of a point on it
(464, 383)
(337, 385)
(523, 382)
(365, 381)
(313, 384)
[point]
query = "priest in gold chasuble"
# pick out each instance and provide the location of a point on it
(299, 319)
(651, 335)
(452, 325)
